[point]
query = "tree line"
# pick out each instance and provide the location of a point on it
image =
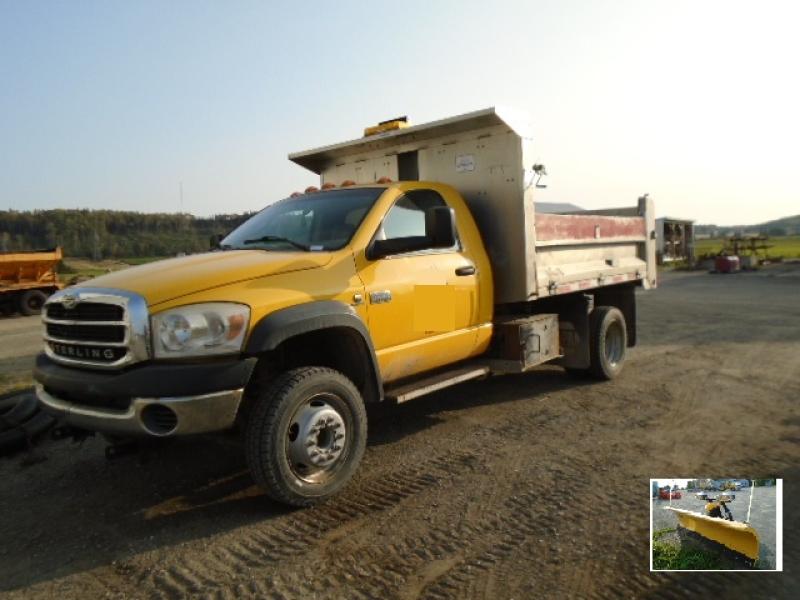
(100, 234)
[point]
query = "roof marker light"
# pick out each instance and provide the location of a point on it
(328, 186)
(295, 194)
(347, 183)
(311, 189)
(384, 180)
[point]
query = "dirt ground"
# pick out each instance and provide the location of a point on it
(762, 517)
(525, 486)
(20, 340)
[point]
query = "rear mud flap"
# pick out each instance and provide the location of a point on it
(736, 536)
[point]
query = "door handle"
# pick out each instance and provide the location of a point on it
(464, 271)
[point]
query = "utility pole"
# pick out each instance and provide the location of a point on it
(181, 189)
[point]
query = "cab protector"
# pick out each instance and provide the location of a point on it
(287, 323)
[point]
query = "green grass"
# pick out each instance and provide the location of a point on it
(17, 381)
(79, 274)
(141, 260)
(669, 556)
(658, 533)
(786, 246)
(84, 268)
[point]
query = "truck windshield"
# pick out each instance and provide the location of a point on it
(311, 222)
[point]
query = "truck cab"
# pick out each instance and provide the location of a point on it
(382, 286)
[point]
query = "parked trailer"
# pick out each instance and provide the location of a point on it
(27, 279)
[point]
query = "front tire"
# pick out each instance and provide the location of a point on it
(305, 435)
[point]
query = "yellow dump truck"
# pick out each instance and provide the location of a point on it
(420, 263)
(27, 279)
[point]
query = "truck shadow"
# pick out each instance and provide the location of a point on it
(391, 423)
(73, 511)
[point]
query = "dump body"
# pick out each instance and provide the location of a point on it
(488, 156)
(29, 270)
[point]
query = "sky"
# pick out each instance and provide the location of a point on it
(121, 104)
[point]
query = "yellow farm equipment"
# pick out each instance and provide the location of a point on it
(27, 279)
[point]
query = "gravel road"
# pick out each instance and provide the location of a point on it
(524, 486)
(21, 341)
(21, 338)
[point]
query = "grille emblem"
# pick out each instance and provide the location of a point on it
(70, 301)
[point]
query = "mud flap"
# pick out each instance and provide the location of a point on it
(736, 536)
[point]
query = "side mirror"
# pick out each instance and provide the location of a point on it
(381, 248)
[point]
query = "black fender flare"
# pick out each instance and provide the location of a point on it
(292, 321)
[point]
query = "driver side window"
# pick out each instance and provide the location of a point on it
(407, 217)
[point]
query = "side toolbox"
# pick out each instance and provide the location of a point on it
(520, 343)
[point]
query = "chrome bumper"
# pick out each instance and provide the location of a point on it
(159, 417)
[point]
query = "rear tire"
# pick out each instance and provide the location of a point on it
(31, 302)
(305, 435)
(609, 342)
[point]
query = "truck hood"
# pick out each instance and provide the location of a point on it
(169, 279)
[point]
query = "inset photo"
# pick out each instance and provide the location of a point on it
(728, 524)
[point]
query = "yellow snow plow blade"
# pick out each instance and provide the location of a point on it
(736, 536)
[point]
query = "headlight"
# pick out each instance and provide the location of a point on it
(200, 330)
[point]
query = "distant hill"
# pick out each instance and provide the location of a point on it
(778, 227)
(101, 234)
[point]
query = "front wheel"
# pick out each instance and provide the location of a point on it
(305, 435)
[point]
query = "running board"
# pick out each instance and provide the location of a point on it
(433, 383)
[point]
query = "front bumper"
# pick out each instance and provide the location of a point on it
(161, 400)
(160, 417)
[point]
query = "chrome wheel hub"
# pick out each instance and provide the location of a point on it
(316, 438)
(615, 345)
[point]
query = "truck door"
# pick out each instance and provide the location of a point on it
(422, 305)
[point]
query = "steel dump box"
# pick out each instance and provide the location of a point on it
(488, 157)
(24, 270)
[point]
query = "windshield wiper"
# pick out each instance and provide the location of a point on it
(277, 238)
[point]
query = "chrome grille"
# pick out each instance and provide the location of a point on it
(86, 333)
(96, 327)
(86, 311)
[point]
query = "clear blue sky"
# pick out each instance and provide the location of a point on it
(113, 104)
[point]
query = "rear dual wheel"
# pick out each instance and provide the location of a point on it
(608, 344)
(305, 435)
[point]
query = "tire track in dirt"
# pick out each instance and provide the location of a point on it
(264, 547)
(520, 521)
(267, 544)
(445, 560)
